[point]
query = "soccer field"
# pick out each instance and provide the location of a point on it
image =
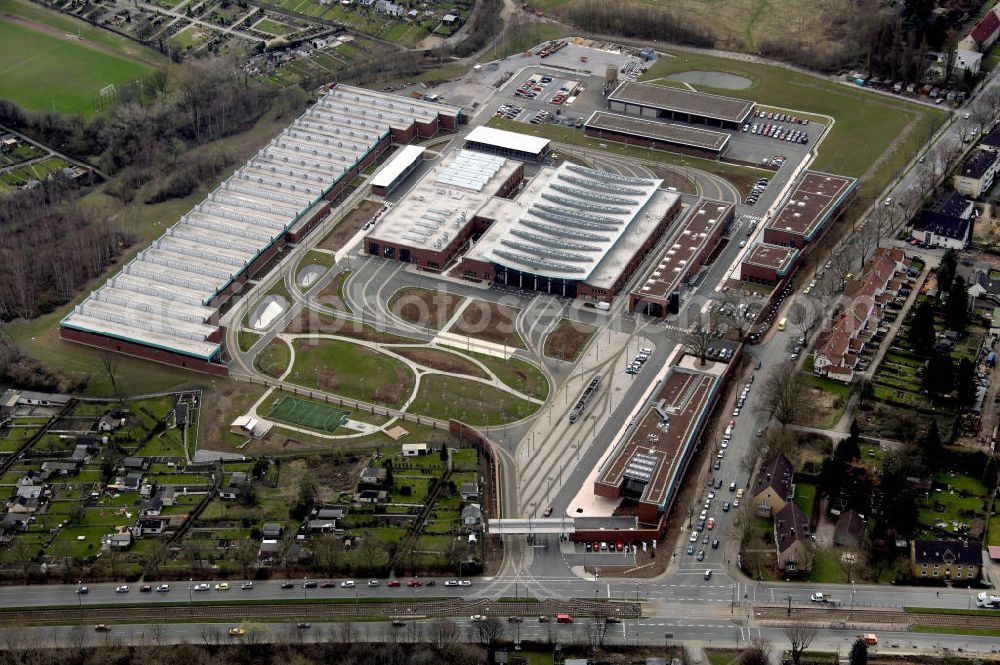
(308, 414)
(39, 71)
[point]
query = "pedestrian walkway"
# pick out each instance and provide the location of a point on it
(475, 345)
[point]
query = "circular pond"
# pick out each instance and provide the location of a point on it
(712, 80)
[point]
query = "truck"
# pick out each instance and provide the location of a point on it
(987, 601)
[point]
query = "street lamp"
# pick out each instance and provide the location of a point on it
(854, 590)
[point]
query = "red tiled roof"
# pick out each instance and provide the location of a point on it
(986, 27)
(836, 346)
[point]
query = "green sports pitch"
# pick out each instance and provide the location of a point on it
(42, 71)
(308, 414)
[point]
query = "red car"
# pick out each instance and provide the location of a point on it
(329, 584)
(414, 583)
(597, 546)
(392, 583)
(619, 546)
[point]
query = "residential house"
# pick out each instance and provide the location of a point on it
(233, 487)
(30, 477)
(414, 449)
(954, 204)
(849, 529)
(791, 537)
(22, 504)
(472, 516)
(135, 463)
(269, 550)
(29, 492)
(14, 522)
(469, 491)
(976, 175)
(389, 8)
(318, 525)
(80, 453)
(132, 481)
(774, 486)
(329, 514)
(109, 423)
(992, 140)
(120, 541)
(151, 508)
(984, 33)
(967, 62)
(946, 559)
(371, 496)
(149, 527)
(940, 230)
(373, 475)
(50, 469)
(839, 347)
(167, 495)
(272, 530)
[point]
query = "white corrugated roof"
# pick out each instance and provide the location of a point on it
(397, 165)
(510, 140)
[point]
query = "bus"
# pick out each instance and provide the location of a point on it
(783, 323)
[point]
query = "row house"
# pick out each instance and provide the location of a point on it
(862, 310)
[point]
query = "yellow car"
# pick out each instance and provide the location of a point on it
(222, 586)
(237, 631)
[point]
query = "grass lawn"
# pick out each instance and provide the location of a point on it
(274, 358)
(826, 567)
(866, 124)
(352, 371)
(805, 496)
(273, 27)
(41, 71)
(247, 339)
(519, 375)
(442, 396)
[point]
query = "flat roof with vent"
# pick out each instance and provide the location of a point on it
(772, 257)
(679, 100)
(444, 200)
(657, 130)
(811, 203)
(652, 451)
(694, 232)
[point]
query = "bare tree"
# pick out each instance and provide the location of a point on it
(23, 554)
(490, 633)
(443, 632)
(841, 263)
(597, 629)
(245, 553)
(784, 396)
(696, 341)
(156, 632)
(802, 315)
(758, 653)
(109, 361)
(868, 239)
(800, 636)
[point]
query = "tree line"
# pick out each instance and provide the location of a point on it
(51, 241)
